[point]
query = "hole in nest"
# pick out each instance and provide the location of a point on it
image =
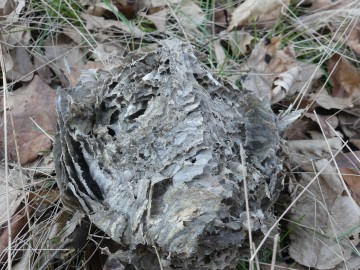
(114, 117)
(137, 114)
(111, 132)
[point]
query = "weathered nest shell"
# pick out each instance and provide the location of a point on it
(152, 154)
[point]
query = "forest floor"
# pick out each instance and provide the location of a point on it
(300, 57)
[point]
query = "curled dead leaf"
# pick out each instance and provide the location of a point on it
(274, 73)
(283, 83)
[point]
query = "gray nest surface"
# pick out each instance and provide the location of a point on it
(152, 154)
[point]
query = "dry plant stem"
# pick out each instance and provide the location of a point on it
(158, 257)
(256, 258)
(336, 165)
(6, 156)
(273, 259)
(37, 125)
(293, 203)
(242, 155)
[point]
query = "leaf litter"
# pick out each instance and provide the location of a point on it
(278, 68)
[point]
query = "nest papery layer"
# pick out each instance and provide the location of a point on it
(152, 154)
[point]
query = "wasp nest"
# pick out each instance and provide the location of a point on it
(152, 154)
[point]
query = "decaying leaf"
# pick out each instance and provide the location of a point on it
(163, 138)
(274, 73)
(6, 7)
(320, 5)
(158, 19)
(328, 221)
(328, 124)
(349, 164)
(345, 77)
(329, 102)
(162, 3)
(101, 24)
(10, 10)
(32, 108)
(16, 182)
(253, 9)
(283, 83)
(219, 54)
(315, 147)
(189, 14)
(62, 52)
(16, 209)
(350, 123)
(22, 68)
(240, 42)
(338, 17)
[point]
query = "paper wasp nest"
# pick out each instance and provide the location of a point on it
(151, 153)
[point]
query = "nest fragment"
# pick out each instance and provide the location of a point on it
(151, 154)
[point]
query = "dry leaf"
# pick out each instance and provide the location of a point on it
(162, 3)
(327, 123)
(240, 42)
(62, 53)
(10, 10)
(42, 68)
(6, 7)
(253, 9)
(99, 23)
(329, 102)
(158, 19)
(127, 8)
(221, 17)
(327, 220)
(352, 39)
(17, 36)
(44, 166)
(349, 164)
(16, 181)
(219, 54)
(350, 124)
(189, 14)
(274, 73)
(22, 68)
(345, 77)
(316, 5)
(283, 84)
(36, 101)
(316, 148)
(19, 228)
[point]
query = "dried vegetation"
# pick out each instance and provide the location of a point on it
(300, 58)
